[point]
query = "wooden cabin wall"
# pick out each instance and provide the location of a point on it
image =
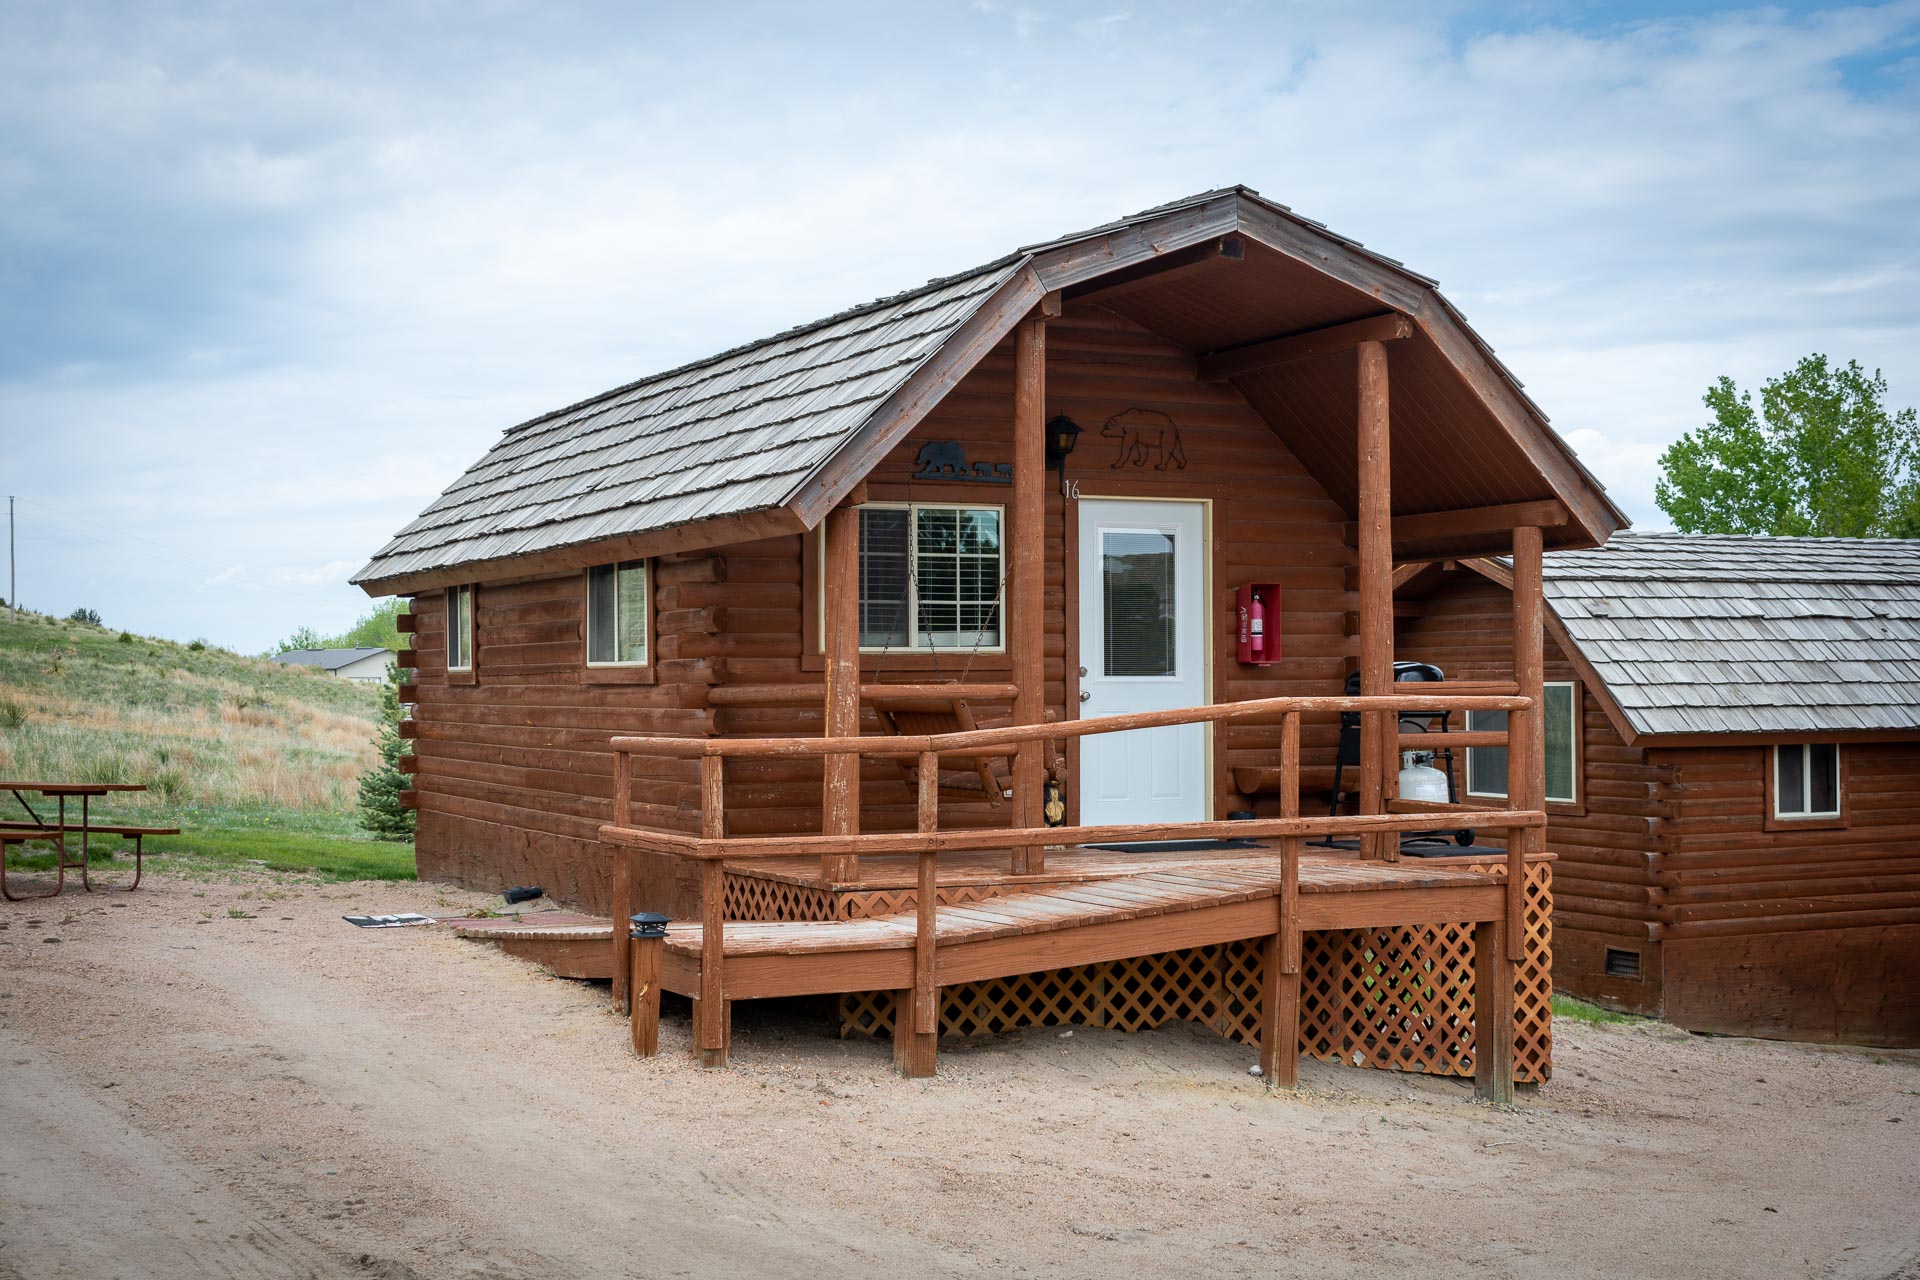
(1806, 932)
(1270, 520)
(1743, 925)
(514, 777)
(1604, 881)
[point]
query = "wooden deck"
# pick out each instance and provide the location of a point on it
(1089, 907)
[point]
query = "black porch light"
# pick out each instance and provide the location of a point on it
(647, 924)
(1062, 433)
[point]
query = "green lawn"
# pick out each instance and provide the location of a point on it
(212, 849)
(1592, 1014)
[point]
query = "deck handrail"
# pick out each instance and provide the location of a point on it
(712, 848)
(976, 741)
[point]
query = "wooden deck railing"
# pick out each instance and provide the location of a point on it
(712, 848)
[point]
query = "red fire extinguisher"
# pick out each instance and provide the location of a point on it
(1257, 628)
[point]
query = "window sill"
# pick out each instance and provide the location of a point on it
(1829, 822)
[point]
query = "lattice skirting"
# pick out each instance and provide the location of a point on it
(1395, 999)
(755, 898)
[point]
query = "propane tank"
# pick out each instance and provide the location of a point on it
(1419, 780)
(1257, 628)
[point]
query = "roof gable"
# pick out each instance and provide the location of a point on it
(767, 437)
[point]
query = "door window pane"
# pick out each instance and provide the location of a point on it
(1137, 602)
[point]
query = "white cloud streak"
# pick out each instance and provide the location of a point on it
(271, 282)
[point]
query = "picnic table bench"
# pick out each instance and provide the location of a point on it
(16, 831)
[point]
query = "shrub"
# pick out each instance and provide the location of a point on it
(198, 646)
(126, 637)
(380, 809)
(12, 715)
(86, 615)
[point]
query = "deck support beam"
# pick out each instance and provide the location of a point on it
(1377, 729)
(645, 986)
(1026, 587)
(1526, 730)
(916, 1010)
(840, 781)
(1492, 1014)
(712, 1019)
(1280, 957)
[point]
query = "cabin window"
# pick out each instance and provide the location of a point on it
(460, 628)
(617, 614)
(1487, 766)
(1806, 780)
(930, 577)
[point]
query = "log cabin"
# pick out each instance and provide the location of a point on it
(882, 658)
(1732, 758)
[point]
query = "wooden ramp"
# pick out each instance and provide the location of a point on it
(1159, 910)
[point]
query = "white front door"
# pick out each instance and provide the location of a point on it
(1143, 638)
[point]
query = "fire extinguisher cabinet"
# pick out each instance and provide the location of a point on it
(1257, 630)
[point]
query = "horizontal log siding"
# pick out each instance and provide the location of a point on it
(1604, 886)
(514, 774)
(1271, 521)
(1807, 933)
(515, 777)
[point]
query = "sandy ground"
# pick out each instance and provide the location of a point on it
(223, 1079)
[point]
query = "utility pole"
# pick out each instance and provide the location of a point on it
(13, 588)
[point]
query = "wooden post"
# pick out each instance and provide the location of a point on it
(840, 799)
(1280, 958)
(622, 881)
(646, 992)
(1526, 730)
(711, 1017)
(916, 1012)
(1492, 1013)
(1377, 729)
(1026, 587)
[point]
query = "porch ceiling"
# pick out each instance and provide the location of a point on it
(1450, 450)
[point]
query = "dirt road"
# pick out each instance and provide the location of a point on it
(223, 1079)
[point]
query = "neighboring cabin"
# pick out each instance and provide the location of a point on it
(365, 666)
(1733, 753)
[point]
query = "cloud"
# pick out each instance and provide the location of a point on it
(269, 285)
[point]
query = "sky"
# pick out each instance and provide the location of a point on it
(271, 277)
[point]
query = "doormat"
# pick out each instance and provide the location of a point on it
(1178, 846)
(388, 922)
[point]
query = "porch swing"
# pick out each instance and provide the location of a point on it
(923, 710)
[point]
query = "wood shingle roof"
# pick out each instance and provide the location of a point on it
(1701, 633)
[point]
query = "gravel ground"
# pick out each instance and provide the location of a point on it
(224, 1079)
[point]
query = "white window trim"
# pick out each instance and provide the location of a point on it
(646, 619)
(454, 594)
(1806, 782)
(1573, 744)
(913, 579)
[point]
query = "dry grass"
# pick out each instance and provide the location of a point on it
(204, 729)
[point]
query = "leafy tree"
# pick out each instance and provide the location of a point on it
(304, 638)
(380, 809)
(1822, 457)
(378, 630)
(83, 614)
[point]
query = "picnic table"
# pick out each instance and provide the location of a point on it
(14, 831)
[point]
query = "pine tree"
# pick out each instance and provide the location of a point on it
(380, 809)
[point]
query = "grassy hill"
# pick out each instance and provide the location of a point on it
(254, 760)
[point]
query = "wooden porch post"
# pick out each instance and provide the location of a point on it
(1526, 730)
(1377, 730)
(1026, 583)
(840, 797)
